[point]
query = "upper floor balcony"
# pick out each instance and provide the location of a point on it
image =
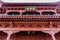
(30, 16)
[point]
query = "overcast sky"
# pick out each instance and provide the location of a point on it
(33, 1)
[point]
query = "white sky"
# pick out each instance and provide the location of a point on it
(31, 1)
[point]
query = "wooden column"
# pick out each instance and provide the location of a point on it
(52, 33)
(50, 24)
(8, 37)
(9, 33)
(11, 24)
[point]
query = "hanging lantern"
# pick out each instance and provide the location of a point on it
(30, 8)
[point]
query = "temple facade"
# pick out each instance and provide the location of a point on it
(29, 21)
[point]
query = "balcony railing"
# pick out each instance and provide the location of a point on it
(29, 18)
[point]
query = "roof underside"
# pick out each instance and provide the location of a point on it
(31, 4)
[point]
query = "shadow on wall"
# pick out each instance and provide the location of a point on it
(3, 35)
(31, 13)
(31, 35)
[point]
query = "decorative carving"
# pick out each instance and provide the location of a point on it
(29, 24)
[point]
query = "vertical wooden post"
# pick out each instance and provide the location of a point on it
(52, 35)
(50, 24)
(10, 32)
(42, 25)
(9, 35)
(11, 24)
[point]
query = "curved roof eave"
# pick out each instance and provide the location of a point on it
(32, 4)
(30, 1)
(52, 3)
